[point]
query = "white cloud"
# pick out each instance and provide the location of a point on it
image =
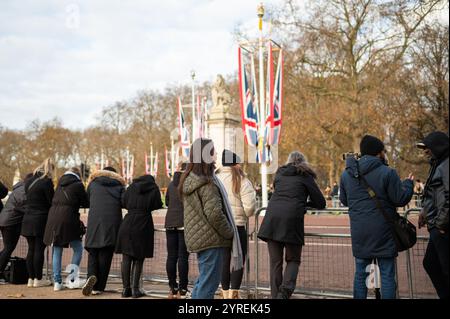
(71, 58)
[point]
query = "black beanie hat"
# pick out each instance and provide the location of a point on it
(229, 158)
(370, 145)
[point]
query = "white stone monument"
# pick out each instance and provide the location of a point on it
(224, 122)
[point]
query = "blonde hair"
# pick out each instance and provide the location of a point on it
(46, 168)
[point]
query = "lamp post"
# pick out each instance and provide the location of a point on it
(262, 120)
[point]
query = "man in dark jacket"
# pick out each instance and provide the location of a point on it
(105, 215)
(434, 213)
(11, 222)
(371, 234)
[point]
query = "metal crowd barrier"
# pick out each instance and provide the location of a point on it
(327, 266)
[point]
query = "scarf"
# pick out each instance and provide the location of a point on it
(237, 259)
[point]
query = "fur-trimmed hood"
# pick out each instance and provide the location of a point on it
(105, 176)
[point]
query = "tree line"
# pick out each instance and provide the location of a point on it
(351, 67)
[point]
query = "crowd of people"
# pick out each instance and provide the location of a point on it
(208, 211)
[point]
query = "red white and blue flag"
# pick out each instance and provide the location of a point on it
(184, 133)
(249, 104)
(276, 104)
(167, 161)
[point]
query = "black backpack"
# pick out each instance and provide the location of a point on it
(16, 271)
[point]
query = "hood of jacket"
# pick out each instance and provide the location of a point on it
(18, 184)
(366, 164)
(288, 170)
(106, 178)
(193, 182)
(144, 184)
(68, 179)
(438, 144)
(176, 178)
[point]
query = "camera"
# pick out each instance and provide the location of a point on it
(357, 156)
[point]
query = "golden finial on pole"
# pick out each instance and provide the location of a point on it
(260, 15)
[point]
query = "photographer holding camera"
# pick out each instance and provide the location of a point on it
(372, 236)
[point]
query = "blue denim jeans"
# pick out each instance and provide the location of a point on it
(387, 274)
(210, 273)
(77, 248)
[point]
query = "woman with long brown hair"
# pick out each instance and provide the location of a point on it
(242, 197)
(208, 224)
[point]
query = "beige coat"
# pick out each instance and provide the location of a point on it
(243, 205)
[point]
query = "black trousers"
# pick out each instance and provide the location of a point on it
(99, 264)
(283, 285)
(234, 277)
(35, 257)
(131, 272)
(11, 235)
(436, 263)
(177, 254)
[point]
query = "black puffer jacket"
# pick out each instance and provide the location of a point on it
(12, 213)
(435, 200)
(136, 233)
(105, 209)
(284, 219)
(63, 224)
(38, 202)
(175, 214)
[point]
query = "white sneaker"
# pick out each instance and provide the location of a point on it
(41, 283)
(96, 292)
(58, 286)
(30, 282)
(78, 285)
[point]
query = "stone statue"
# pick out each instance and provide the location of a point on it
(222, 101)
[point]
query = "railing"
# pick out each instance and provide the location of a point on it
(327, 266)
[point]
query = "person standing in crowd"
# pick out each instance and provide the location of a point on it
(39, 195)
(105, 190)
(208, 224)
(283, 225)
(3, 193)
(177, 253)
(64, 226)
(135, 240)
(434, 214)
(11, 222)
(242, 197)
(370, 232)
(335, 195)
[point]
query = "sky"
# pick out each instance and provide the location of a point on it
(70, 58)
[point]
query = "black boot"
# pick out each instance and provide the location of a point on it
(126, 275)
(137, 271)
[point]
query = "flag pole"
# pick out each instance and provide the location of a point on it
(151, 159)
(171, 156)
(262, 120)
(193, 106)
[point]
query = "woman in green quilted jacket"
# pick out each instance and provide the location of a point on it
(206, 226)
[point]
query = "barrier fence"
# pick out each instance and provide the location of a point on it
(327, 265)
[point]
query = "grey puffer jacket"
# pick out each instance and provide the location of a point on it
(205, 223)
(12, 213)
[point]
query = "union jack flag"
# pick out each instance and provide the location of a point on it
(276, 101)
(167, 161)
(184, 133)
(249, 104)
